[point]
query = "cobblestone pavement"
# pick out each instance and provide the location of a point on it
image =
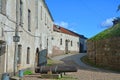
(86, 75)
(33, 78)
(93, 75)
(85, 72)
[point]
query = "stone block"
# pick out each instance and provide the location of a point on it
(51, 76)
(15, 78)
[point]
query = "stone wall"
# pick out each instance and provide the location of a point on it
(56, 51)
(105, 52)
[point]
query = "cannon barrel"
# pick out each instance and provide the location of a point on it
(56, 69)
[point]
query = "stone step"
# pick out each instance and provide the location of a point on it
(51, 76)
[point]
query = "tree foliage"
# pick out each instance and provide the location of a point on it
(118, 7)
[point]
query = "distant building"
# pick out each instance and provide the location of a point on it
(82, 39)
(66, 41)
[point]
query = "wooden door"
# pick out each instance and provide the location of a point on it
(66, 46)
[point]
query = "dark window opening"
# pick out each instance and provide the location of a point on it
(19, 54)
(41, 12)
(29, 20)
(71, 43)
(60, 41)
(21, 13)
(28, 55)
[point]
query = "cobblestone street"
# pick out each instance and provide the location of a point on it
(93, 75)
(85, 72)
(86, 75)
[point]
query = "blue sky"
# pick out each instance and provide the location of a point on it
(86, 17)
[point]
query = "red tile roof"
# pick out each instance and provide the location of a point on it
(66, 31)
(63, 30)
(55, 28)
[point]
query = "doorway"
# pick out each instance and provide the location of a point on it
(37, 57)
(66, 46)
(2, 56)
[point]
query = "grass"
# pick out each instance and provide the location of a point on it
(50, 62)
(114, 31)
(27, 72)
(87, 61)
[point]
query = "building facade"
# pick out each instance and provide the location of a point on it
(26, 28)
(64, 41)
(32, 22)
(83, 44)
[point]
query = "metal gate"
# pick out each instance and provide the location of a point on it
(42, 59)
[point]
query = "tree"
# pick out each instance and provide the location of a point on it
(118, 7)
(116, 20)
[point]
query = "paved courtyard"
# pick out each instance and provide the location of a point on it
(85, 72)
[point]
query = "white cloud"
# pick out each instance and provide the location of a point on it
(62, 24)
(70, 26)
(107, 22)
(73, 29)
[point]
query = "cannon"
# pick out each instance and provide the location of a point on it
(55, 69)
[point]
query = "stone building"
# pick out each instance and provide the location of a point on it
(44, 27)
(26, 28)
(34, 24)
(64, 41)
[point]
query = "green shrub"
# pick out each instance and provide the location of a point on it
(27, 72)
(114, 31)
